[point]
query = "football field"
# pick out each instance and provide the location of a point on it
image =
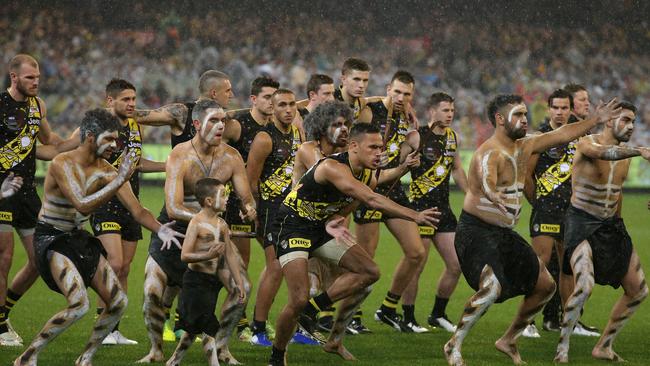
(383, 347)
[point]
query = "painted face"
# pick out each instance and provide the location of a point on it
(222, 93)
(337, 134)
(262, 101)
(444, 113)
(324, 94)
(123, 103)
(401, 94)
(516, 122)
(284, 108)
(368, 148)
(212, 126)
(581, 104)
(220, 199)
(27, 80)
(559, 111)
(106, 144)
(356, 82)
(624, 125)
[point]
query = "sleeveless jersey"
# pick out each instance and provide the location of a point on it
(188, 129)
(315, 202)
(20, 123)
(553, 176)
(129, 138)
(356, 106)
(249, 128)
(430, 180)
(396, 133)
(275, 180)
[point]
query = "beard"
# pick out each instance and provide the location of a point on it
(25, 91)
(514, 133)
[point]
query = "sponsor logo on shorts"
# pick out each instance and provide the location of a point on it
(426, 230)
(550, 228)
(299, 243)
(6, 216)
(110, 226)
(373, 215)
(242, 228)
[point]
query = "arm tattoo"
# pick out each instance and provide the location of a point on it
(619, 153)
(142, 113)
(178, 111)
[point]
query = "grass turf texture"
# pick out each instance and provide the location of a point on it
(383, 347)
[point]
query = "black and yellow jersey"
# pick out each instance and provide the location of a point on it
(430, 180)
(396, 130)
(129, 139)
(355, 106)
(275, 180)
(188, 130)
(552, 176)
(315, 202)
(249, 128)
(20, 123)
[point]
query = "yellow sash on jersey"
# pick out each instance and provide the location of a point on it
(556, 174)
(277, 182)
(134, 144)
(16, 150)
(437, 173)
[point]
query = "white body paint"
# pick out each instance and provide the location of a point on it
(101, 148)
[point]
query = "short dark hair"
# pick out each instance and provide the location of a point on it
(359, 129)
(499, 102)
(206, 187)
(574, 88)
(201, 106)
(262, 82)
(116, 86)
(436, 98)
(354, 64)
(319, 120)
(624, 104)
(560, 94)
(97, 121)
(403, 76)
(207, 78)
(316, 80)
(17, 61)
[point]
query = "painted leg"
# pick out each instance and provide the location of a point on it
(636, 290)
(478, 304)
(183, 345)
(583, 275)
(347, 308)
(72, 286)
(232, 309)
(155, 281)
(210, 350)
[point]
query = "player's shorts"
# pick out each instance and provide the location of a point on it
(20, 211)
(83, 249)
(115, 221)
(547, 224)
(512, 260)
(197, 303)
(447, 223)
(169, 259)
(301, 239)
(266, 213)
(610, 244)
(366, 215)
(238, 226)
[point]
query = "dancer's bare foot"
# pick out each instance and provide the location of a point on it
(339, 349)
(226, 357)
(561, 357)
(608, 354)
(30, 362)
(152, 357)
(83, 361)
(452, 354)
(510, 349)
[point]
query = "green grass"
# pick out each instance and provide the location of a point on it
(383, 347)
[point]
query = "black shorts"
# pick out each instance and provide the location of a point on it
(513, 261)
(236, 224)
(547, 223)
(610, 244)
(83, 249)
(197, 303)
(296, 234)
(116, 221)
(21, 210)
(169, 260)
(266, 214)
(365, 215)
(447, 223)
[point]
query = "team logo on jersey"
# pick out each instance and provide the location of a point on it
(299, 243)
(110, 226)
(6, 216)
(550, 228)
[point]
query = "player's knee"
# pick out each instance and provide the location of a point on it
(299, 301)
(118, 303)
(79, 308)
(453, 269)
(371, 274)
(416, 255)
(547, 286)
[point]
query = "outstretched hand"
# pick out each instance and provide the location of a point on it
(607, 111)
(337, 229)
(168, 236)
(412, 160)
(10, 185)
(128, 165)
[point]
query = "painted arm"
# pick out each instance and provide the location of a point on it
(188, 252)
(174, 190)
(63, 172)
(591, 149)
(10, 185)
(529, 183)
(233, 262)
(261, 148)
(338, 175)
(572, 131)
(150, 166)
